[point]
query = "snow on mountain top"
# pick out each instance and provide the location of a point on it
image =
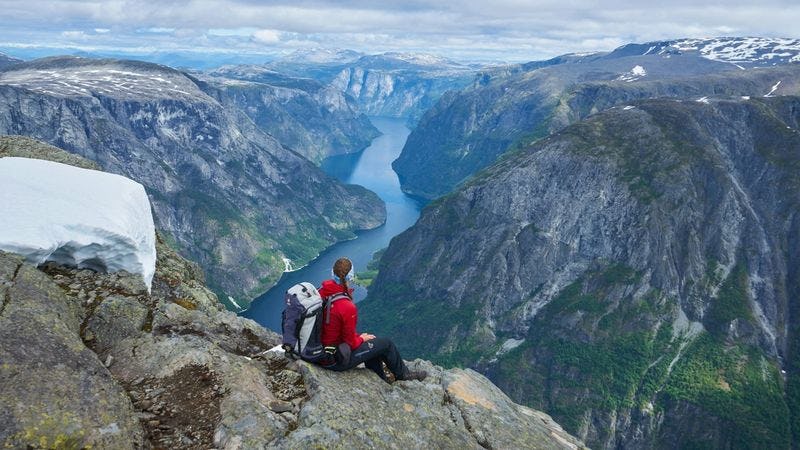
(736, 50)
(78, 217)
(243, 70)
(322, 56)
(420, 59)
(772, 91)
(636, 73)
(69, 77)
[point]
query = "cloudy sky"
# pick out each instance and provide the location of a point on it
(502, 30)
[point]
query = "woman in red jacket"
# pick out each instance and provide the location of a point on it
(340, 327)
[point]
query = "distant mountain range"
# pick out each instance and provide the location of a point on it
(747, 51)
(389, 84)
(468, 129)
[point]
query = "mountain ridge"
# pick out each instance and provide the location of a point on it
(640, 263)
(467, 130)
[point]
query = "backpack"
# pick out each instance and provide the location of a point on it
(302, 323)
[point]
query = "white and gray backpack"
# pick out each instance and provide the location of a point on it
(302, 323)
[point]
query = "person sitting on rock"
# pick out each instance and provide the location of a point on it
(340, 328)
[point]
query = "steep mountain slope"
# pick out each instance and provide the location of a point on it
(302, 114)
(94, 360)
(228, 194)
(389, 84)
(467, 130)
(399, 84)
(635, 275)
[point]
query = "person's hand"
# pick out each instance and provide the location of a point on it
(367, 336)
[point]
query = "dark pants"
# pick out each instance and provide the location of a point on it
(374, 352)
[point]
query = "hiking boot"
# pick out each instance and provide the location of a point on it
(418, 375)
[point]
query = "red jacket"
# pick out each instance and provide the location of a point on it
(344, 316)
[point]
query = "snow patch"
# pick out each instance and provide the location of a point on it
(79, 217)
(102, 80)
(510, 344)
(748, 50)
(702, 100)
(628, 108)
(234, 302)
(634, 74)
(774, 88)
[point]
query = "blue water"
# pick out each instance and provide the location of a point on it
(371, 168)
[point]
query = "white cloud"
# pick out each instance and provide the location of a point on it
(267, 36)
(247, 31)
(156, 30)
(473, 29)
(72, 34)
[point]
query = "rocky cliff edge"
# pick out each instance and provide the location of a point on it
(90, 360)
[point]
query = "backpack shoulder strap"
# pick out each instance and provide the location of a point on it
(329, 301)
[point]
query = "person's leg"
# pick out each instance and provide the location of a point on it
(375, 351)
(376, 365)
(392, 358)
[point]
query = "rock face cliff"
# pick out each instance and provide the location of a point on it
(511, 107)
(390, 84)
(225, 192)
(316, 121)
(635, 275)
(91, 360)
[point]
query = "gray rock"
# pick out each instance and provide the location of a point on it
(55, 390)
(356, 409)
(115, 319)
(25, 147)
(496, 421)
(279, 406)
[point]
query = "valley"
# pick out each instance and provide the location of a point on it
(371, 169)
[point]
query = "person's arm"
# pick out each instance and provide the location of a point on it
(349, 320)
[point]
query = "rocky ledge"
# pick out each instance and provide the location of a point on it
(93, 360)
